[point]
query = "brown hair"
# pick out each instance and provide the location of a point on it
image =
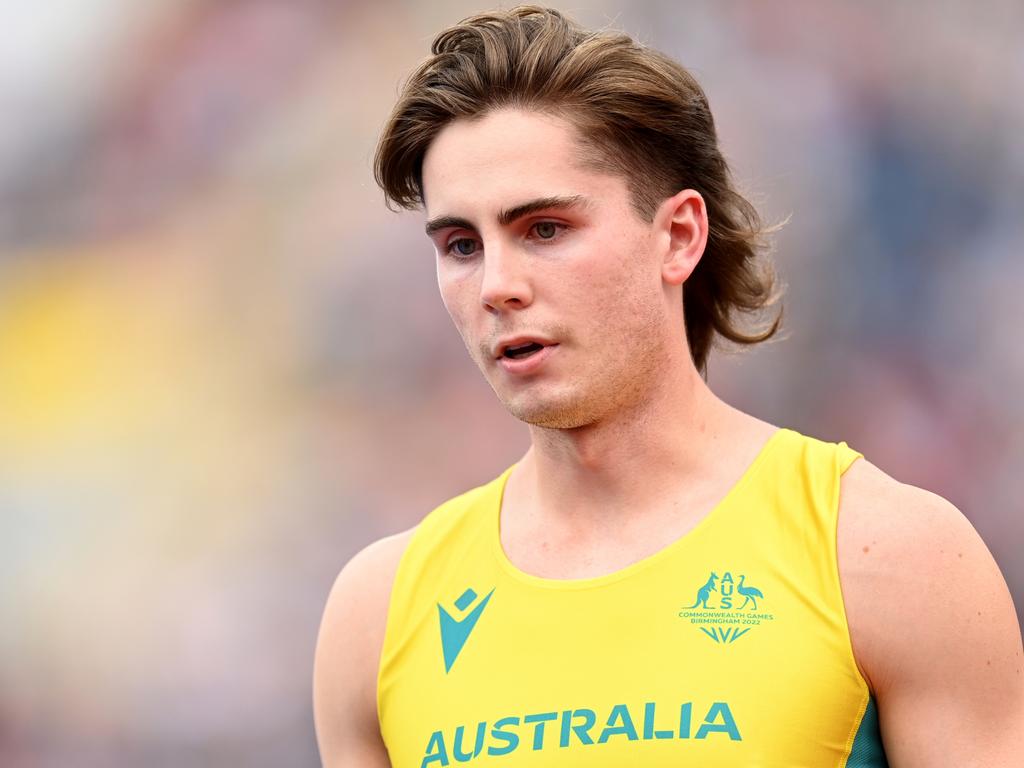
(639, 114)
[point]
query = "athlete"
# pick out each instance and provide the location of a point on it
(661, 580)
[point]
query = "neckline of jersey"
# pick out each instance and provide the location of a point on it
(590, 582)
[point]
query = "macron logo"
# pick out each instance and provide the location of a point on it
(455, 632)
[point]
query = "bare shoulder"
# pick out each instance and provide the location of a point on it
(362, 590)
(911, 562)
(348, 655)
(931, 619)
(901, 533)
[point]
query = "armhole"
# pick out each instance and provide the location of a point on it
(845, 457)
(390, 619)
(422, 539)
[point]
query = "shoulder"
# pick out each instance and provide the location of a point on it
(363, 587)
(923, 594)
(350, 639)
(375, 559)
(890, 527)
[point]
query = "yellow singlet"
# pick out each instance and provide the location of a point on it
(729, 647)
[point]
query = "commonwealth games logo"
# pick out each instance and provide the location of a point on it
(726, 609)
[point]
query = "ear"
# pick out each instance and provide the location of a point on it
(683, 221)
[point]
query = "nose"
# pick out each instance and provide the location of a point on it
(506, 284)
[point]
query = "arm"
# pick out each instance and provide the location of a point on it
(348, 655)
(932, 624)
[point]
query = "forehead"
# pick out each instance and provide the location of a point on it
(508, 156)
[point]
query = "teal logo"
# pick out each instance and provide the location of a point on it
(726, 608)
(455, 632)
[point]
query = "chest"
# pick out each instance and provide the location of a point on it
(586, 550)
(675, 664)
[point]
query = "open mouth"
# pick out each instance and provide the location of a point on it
(521, 351)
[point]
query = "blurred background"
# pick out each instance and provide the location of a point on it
(224, 365)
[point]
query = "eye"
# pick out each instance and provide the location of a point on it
(547, 230)
(462, 246)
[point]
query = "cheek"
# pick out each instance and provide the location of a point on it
(457, 292)
(623, 293)
(620, 277)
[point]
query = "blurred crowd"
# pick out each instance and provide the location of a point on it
(224, 366)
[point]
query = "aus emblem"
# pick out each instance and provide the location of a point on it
(726, 607)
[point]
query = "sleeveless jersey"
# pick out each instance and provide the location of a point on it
(728, 647)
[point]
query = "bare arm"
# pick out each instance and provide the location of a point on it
(348, 655)
(932, 624)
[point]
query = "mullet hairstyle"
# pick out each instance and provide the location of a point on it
(638, 114)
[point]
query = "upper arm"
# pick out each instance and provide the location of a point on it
(932, 625)
(348, 655)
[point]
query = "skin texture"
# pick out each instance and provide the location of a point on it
(630, 449)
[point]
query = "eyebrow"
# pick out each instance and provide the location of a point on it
(509, 215)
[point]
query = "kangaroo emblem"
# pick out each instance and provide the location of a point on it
(705, 592)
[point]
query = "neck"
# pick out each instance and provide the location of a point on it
(671, 446)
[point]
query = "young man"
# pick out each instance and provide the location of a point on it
(661, 580)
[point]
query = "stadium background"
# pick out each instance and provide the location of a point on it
(224, 366)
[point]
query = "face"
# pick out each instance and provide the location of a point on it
(537, 251)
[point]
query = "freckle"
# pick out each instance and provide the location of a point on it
(979, 613)
(867, 549)
(959, 554)
(988, 662)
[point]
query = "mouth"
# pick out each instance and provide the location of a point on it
(520, 347)
(525, 356)
(522, 351)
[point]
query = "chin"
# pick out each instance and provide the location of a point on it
(550, 412)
